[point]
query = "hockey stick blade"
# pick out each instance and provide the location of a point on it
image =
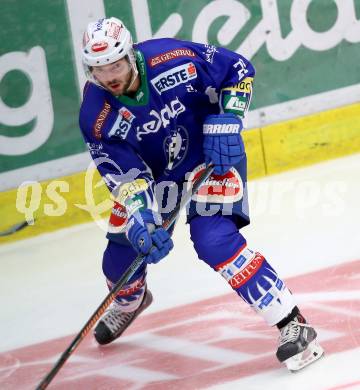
(119, 285)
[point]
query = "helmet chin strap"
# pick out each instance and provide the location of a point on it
(135, 73)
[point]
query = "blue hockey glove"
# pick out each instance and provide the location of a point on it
(147, 238)
(223, 145)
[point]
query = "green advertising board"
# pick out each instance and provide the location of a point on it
(39, 97)
(299, 47)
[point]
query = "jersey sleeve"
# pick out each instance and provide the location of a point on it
(227, 74)
(122, 169)
(227, 77)
(221, 67)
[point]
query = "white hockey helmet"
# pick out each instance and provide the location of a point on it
(106, 41)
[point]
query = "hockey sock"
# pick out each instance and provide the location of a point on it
(252, 277)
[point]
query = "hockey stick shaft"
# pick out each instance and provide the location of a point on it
(119, 285)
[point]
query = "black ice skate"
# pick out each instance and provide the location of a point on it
(115, 321)
(298, 346)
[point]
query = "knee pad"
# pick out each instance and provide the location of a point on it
(215, 238)
(252, 277)
(117, 259)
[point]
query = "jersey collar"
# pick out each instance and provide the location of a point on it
(141, 97)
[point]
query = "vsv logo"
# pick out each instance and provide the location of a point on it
(176, 146)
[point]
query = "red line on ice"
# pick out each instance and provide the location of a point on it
(201, 331)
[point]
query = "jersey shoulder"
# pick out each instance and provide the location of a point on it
(95, 111)
(163, 50)
(168, 52)
(223, 66)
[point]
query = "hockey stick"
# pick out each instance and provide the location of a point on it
(16, 228)
(118, 286)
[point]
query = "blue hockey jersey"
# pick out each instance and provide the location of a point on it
(159, 131)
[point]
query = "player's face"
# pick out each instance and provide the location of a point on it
(115, 77)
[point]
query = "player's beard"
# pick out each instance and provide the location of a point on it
(119, 87)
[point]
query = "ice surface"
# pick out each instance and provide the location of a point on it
(197, 334)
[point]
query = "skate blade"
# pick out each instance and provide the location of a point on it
(312, 353)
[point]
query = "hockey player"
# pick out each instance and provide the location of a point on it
(153, 114)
